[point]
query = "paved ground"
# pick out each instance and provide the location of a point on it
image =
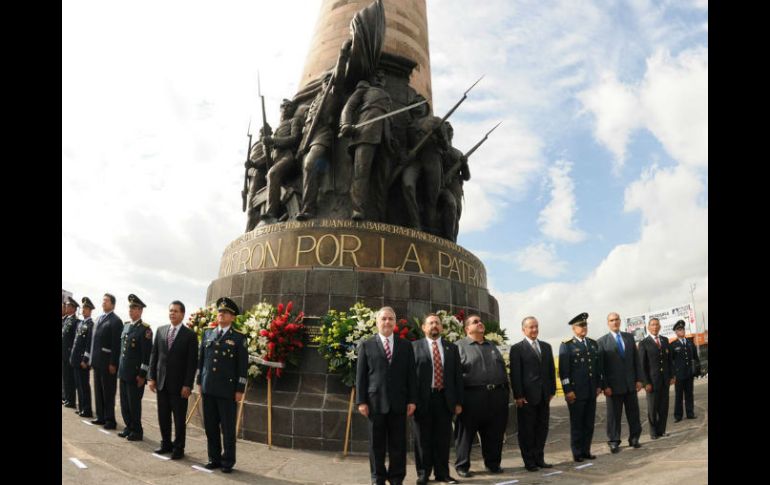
(680, 458)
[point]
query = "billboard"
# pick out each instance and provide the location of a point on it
(637, 325)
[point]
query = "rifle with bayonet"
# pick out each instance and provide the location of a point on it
(458, 164)
(245, 191)
(414, 151)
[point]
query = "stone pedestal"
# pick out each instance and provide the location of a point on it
(332, 264)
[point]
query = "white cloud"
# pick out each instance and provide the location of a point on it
(671, 102)
(540, 259)
(556, 220)
(633, 278)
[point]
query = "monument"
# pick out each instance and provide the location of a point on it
(355, 196)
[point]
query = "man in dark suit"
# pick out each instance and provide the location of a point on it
(105, 355)
(223, 362)
(68, 329)
(622, 381)
(136, 346)
(656, 369)
(439, 397)
(533, 377)
(173, 362)
(686, 368)
(580, 371)
(79, 360)
(386, 384)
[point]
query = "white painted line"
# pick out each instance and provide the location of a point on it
(160, 456)
(510, 482)
(78, 463)
(89, 423)
(200, 468)
(584, 466)
(105, 431)
(553, 473)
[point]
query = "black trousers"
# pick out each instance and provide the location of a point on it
(219, 414)
(657, 408)
(131, 405)
(533, 430)
(615, 404)
(105, 386)
(387, 432)
(683, 389)
(83, 386)
(485, 412)
(172, 403)
(582, 415)
(432, 431)
(68, 381)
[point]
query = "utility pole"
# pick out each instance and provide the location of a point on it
(692, 298)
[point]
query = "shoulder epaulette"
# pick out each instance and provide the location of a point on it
(567, 340)
(145, 323)
(239, 331)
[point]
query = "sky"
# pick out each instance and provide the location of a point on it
(592, 196)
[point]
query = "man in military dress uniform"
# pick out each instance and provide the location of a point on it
(135, 349)
(686, 368)
(222, 370)
(68, 329)
(580, 371)
(79, 360)
(104, 358)
(656, 363)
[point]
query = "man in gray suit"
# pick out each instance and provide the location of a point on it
(621, 383)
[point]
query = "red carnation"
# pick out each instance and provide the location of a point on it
(288, 307)
(263, 333)
(280, 308)
(271, 346)
(281, 340)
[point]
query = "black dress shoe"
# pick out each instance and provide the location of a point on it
(211, 465)
(449, 479)
(87, 415)
(532, 468)
(495, 470)
(635, 444)
(589, 456)
(423, 481)
(577, 458)
(464, 473)
(110, 425)
(97, 421)
(177, 455)
(692, 417)
(543, 464)
(135, 437)
(614, 449)
(124, 433)
(676, 420)
(162, 450)
(69, 405)
(227, 469)
(653, 436)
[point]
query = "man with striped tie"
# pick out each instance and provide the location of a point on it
(387, 393)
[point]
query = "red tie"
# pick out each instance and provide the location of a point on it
(657, 342)
(438, 370)
(388, 355)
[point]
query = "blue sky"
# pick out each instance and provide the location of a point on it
(591, 196)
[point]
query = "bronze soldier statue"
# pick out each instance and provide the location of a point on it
(257, 170)
(456, 171)
(368, 101)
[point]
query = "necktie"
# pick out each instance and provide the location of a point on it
(438, 369)
(388, 354)
(219, 333)
(534, 346)
(620, 345)
(657, 342)
(171, 337)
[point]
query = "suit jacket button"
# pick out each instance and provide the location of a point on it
(214, 369)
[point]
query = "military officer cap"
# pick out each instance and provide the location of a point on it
(679, 325)
(87, 303)
(72, 302)
(227, 305)
(580, 320)
(134, 300)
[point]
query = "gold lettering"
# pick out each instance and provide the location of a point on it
(455, 268)
(299, 247)
(261, 259)
(412, 250)
(351, 251)
(441, 266)
(272, 255)
(382, 256)
(318, 250)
